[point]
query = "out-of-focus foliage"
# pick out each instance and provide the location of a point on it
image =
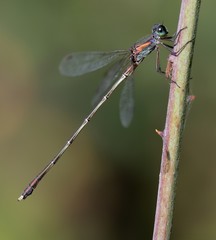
(105, 186)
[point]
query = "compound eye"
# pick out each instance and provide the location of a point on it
(162, 31)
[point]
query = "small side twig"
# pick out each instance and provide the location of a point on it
(178, 69)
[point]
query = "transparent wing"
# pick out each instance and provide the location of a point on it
(113, 73)
(79, 63)
(126, 104)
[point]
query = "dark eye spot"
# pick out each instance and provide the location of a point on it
(69, 57)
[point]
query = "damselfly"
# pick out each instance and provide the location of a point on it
(126, 61)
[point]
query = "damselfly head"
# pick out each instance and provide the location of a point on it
(159, 31)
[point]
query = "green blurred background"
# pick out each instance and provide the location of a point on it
(105, 186)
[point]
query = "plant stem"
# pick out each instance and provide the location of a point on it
(178, 68)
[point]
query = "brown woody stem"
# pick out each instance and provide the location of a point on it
(178, 69)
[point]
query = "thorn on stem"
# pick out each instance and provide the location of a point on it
(160, 133)
(190, 99)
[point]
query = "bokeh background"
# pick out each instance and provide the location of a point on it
(105, 186)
